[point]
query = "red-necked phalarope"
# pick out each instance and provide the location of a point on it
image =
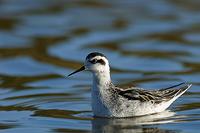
(111, 101)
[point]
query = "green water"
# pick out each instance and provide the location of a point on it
(150, 44)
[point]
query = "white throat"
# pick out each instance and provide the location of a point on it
(101, 80)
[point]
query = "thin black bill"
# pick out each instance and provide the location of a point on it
(80, 69)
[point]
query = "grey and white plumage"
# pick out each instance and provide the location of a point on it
(111, 101)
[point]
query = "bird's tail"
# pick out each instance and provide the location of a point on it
(176, 90)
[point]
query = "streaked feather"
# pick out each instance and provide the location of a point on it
(154, 96)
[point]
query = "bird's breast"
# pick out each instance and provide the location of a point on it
(99, 105)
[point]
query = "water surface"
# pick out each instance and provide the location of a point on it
(150, 43)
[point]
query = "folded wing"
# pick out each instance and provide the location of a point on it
(154, 96)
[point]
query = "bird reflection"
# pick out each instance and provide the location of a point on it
(133, 125)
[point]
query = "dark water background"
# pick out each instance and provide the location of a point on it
(150, 43)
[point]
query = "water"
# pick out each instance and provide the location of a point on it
(150, 43)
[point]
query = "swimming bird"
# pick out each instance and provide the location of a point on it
(109, 100)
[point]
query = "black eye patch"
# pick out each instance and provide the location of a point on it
(101, 62)
(94, 61)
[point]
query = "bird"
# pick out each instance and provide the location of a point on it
(108, 100)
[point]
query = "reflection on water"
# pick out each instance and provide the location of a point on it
(149, 45)
(132, 125)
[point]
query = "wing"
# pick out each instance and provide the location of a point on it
(142, 95)
(154, 96)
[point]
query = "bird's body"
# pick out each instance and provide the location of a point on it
(111, 101)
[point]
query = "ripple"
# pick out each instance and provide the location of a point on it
(25, 66)
(193, 37)
(9, 40)
(20, 6)
(58, 82)
(156, 45)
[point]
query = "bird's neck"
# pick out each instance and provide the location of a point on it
(101, 94)
(101, 80)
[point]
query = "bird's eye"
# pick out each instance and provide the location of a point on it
(100, 61)
(93, 61)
